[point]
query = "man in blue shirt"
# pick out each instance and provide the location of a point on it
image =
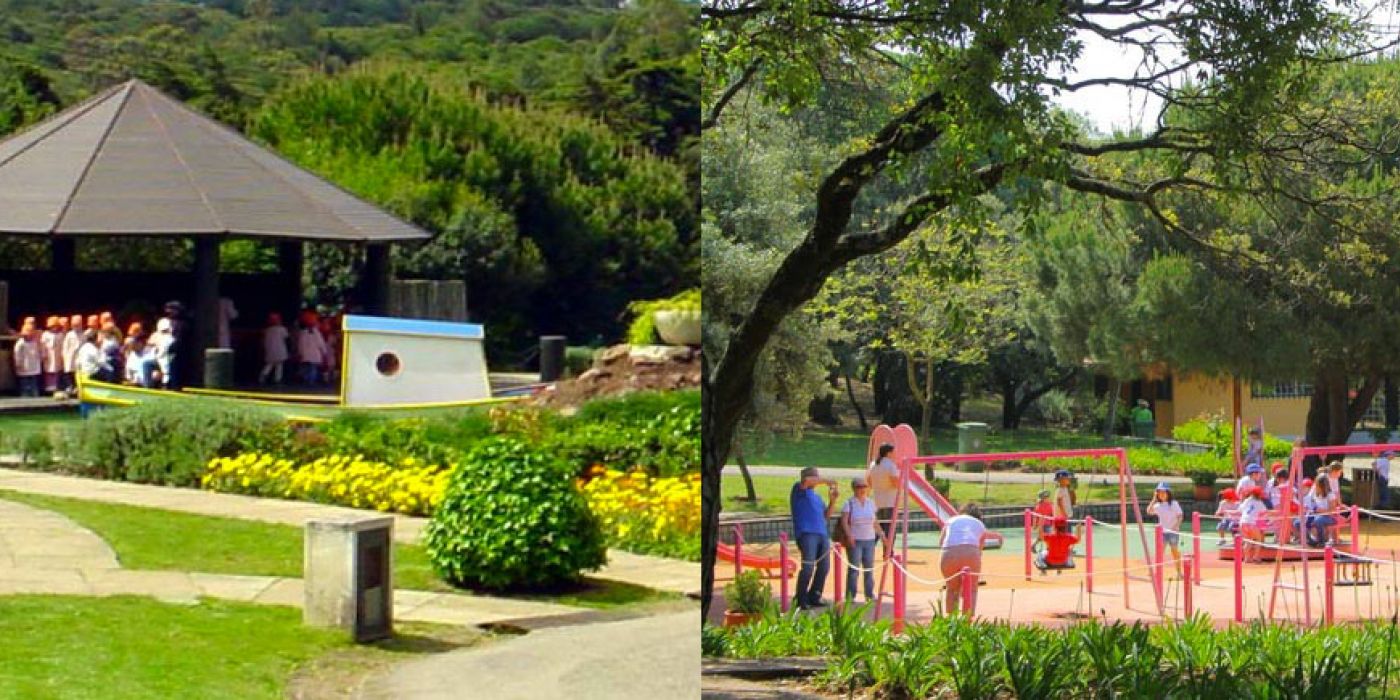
(1383, 477)
(809, 518)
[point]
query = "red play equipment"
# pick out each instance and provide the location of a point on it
(1349, 520)
(914, 486)
(753, 561)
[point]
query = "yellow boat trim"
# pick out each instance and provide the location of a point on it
(305, 398)
(83, 385)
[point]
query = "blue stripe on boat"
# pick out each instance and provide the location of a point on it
(381, 324)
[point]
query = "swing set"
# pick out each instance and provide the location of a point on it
(912, 486)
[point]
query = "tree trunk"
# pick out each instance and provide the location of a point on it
(822, 410)
(1332, 414)
(752, 496)
(1317, 422)
(1392, 403)
(1010, 417)
(851, 394)
(1111, 422)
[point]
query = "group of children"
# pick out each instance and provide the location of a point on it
(48, 360)
(316, 340)
(1245, 509)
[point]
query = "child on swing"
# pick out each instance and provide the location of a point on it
(1064, 495)
(1059, 545)
(1044, 516)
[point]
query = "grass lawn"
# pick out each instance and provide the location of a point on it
(832, 449)
(134, 647)
(772, 492)
(150, 538)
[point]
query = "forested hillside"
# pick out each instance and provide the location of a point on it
(551, 145)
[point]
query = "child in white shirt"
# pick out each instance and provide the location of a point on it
(1168, 513)
(1251, 511)
(29, 358)
(275, 354)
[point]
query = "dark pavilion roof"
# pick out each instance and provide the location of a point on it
(135, 161)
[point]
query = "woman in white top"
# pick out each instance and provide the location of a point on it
(858, 517)
(883, 477)
(962, 540)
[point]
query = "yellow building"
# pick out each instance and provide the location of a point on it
(1177, 399)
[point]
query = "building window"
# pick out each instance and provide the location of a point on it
(1164, 388)
(1281, 390)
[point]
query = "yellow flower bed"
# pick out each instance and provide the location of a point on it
(646, 514)
(410, 488)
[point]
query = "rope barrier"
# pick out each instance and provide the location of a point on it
(1383, 515)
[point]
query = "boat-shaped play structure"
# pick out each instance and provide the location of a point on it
(389, 366)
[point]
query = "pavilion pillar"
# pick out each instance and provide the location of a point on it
(376, 282)
(206, 304)
(291, 256)
(63, 254)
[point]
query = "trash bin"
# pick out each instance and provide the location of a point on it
(1363, 487)
(1145, 429)
(972, 439)
(218, 368)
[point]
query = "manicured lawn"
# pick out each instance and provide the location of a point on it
(134, 647)
(828, 449)
(150, 538)
(772, 492)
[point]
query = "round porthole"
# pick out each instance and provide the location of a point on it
(388, 364)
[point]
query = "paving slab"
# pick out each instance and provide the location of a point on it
(653, 572)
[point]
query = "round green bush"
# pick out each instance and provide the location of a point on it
(512, 518)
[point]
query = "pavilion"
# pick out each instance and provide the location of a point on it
(134, 162)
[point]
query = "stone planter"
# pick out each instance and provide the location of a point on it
(738, 619)
(678, 327)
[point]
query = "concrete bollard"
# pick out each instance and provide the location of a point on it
(348, 574)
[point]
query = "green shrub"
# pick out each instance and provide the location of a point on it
(512, 518)
(748, 593)
(170, 441)
(36, 449)
(1215, 430)
(381, 439)
(637, 409)
(578, 359)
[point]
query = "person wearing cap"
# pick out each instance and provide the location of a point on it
(72, 340)
(858, 519)
(51, 347)
(1059, 547)
(163, 342)
(1044, 513)
(1252, 508)
(883, 477)
(1253, 476)
(1228, 511)
(28, 358)
(1064, 495)
(311, 348)
(1169, 516)
(1143, 412)
(809, 516)
(1382, 466)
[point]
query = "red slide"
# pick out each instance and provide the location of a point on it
(725, 552)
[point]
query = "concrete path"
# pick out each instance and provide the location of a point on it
(653, 572)
(653, 657)
(45, 552)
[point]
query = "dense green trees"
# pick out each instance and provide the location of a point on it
(551, 146)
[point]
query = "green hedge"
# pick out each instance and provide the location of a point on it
(1216, 432)
(170, 441)
(953, 657)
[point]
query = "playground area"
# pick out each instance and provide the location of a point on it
(1120, 571)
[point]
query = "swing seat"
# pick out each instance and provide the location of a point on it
(1354, 572)
(1045, 566)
